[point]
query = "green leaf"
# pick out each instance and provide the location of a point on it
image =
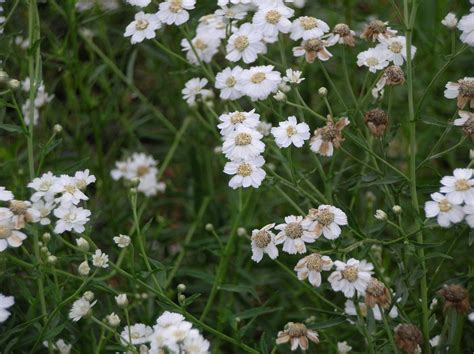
(12, 128)
(241, 289)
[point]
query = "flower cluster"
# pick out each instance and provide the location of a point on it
(455, 200)
(42, 98)
(140, 168)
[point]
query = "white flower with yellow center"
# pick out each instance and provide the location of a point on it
(195, 89)
(293, 77)
(71, 218)
(136, 334)
(462, 90)
(459, 187)
(243, 143)
(351, 277)
(291, 132)
(327, 220)
(203, 48)
(374, 58)
(175, 11)
(246, 173)
(311, 267)
(259, 82)
(273, 18)
(263, 241)
(293, 234)
(226, 82)
(100, 259)
(466, 25)
(144, 26)
(307, 27)
(231, 121)
(43, 186)
(9, 236)
(396, 48)
(446, 212)
(246, 43)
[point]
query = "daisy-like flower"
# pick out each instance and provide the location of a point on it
(144, 26)
(466, 121)
(175, 11)
(294, 234)
(374, 58)
(195, 89)
(139, 3)
(43, 186)
(273, 18)
(235, 12)
(212, 25)
(311, 267)
(392, 76)
(71, 218)
(80, 308)
(168, 319)
(83, 179)
(246, 43)
(466, 25)
(350, 309)
(445, 212)
(307, 27)
(259, 82)
(194, 343)
(243, 143)
(5, 195)
(298, 335)
(100, 259)
(68, 187)
(203, 48)
(396, 47)
(230, 121)
(9, 236)
(459, 187)
(122, 240)
(327, 138)
(450, 21)
(44, 209)
(5, 303)
(463, 90)
(247, 173)
(263, 241)
(313, 48)
(351, 277)
(226, 82)
(343, 348)
(342, 34)
(136, 334)
(291, 132)
(376, 30)
(326, 221)
(264, 128)
(293, 77)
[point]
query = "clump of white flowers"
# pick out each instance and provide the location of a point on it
(42, 98)
(142, 168)
(82, 307)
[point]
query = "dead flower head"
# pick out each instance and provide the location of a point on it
(311, 49)
(455, 296)
(408, 337)
(466, 121)
(297, 334)
(342, 34)
(377, 29)
(377, 294)
(377, 121)
(327, 138)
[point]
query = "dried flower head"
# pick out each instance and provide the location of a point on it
(297, 334)
(394, 75)
(377, 121)
(376, 30)
(463, 90)
(408, 337)
(313, 48)
(377, 294)
(327, 138)
(455, 296)
(466, 121)
(343, 34)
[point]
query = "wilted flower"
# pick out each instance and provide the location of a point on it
(313, 48)
(311, 267)
(408, 337)
(463, 90)
(466, 121)
(298, 335)
(342, 34)
(377, 30)
(327, 138)
(294, 234)
(377, 294)
(456, 297)
(377, 121)
(326, 220)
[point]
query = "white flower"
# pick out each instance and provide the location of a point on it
(193, 89)
(446, 212)
(175, 11)
(83, 179)
(259, 82)
(247, 173)
(213, 25)
(9, 236)
(291, 132)
(121, 300)
(380, 215)
(293, 234)
(459, 187)
(5, 303)
(44, 209)
(136, 334)
(80, 308)
(226, 81)
(204, 46)
(466, 25)
(176, 334)
(231, 121)
(71, 218)
(43, 186)
(60, 345)
(374, 58)
(434, 342)
(169, 319)
(68, 186)
(469, 211)
(463, 90)
(396, 48)
(450, 21)
(311, 267)
(122, 240)
(263, 241)
(273, 18)
(243, 143)
(343, 348)
(293, 77)
(113, 319)
(194, 343)
(264, 128)
(350, 309)
(351, 277)
(326, 220)
(246, 43)
(307, 27)
(84, 268)
(5, 195)
(235, 12)
(143, 27)
(100, 259)
(139, 3)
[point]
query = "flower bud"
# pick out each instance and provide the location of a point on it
(450, 21)
(52, 259)
(380, 215)
(113, 320)
(84, 268)
(133, 191)
(408, 337)
(241, 232)
(182, 298)
(280, 96)
(397, 209)
(285, 88)
(58, 128)
(122, 300)
(209, 227)
(323, 92)
(89, 296)
(3, 76)
(82, 244)
(46, 237)
(44, 249)
(134, 182)
(13, 84)
(181, 288)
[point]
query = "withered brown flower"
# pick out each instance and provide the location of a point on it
(377, 294)
(327, 138)
(297, 334)
(377, 121)
(456, 297)
(408, 337)
(377, 29)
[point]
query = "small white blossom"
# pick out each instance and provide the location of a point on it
(293, 77)
(71, 218)
(226, 81)
(263, 241)
(450, 21)
(247, 173)
(459, 188)
(311, 267)
(144, 26)
(122, 240)
(5, 303)
(80, 308)
(291, 132)
(175, 11)
(351, 277)
(136, 334)
(374, 58)
(445, 212)
(294, 234)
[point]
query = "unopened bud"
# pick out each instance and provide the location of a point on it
(82, 244)
(323, 92)
(135, 181)
(13, 84)
(181, 288)
(280, 96)
(380, 215)
(52, 259)
(88, 295)
(113, 320)
(58, 128)
(182, 298)
(397, 209)
(3, 76)
(44, 249)
(133, 191)
(84, 268)
(122, 300)
(209, 227)
(285, 88)
(46, 237)
(241, 232)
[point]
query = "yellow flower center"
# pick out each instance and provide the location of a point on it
(308, 23)
(466, 88)
(273, 17)
(141, 25)
(5, 232)
(462, 185)
(444, 205)
(314, 262)
(395, 47)
(262, 239)
(243, 139)
(241, 42)
(244, 169)
(231, 81)
(325, 217)
(290, 131)
(237, 117)
(350, 274)
(70, 188)
(176, 6)
(294, 230)
(372, 61)
(258, 78)
(200, 44)
(142, 170)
